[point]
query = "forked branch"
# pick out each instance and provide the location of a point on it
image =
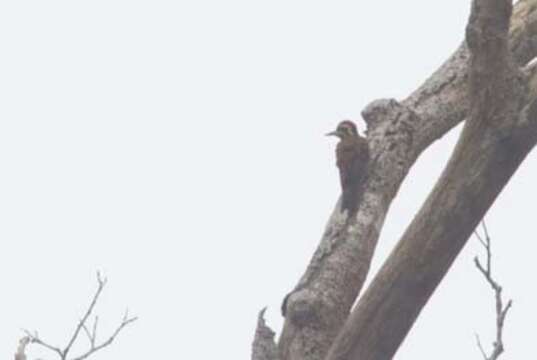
(34, 338)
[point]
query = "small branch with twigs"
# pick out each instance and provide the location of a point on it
(501, 310)
(82, 326)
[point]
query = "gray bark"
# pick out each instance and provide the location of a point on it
(398, 132)
(264, 347)
(490, 149)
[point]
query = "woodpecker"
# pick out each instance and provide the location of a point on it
(352, 157)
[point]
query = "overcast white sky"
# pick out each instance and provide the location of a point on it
(178, 147)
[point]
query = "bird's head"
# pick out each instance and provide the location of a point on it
(345, 129)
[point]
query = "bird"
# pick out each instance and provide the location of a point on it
(352, 158)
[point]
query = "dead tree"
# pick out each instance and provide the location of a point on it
(90, 331)
(489, 83)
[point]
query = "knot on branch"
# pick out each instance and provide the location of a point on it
(375, 112)
(303, 308)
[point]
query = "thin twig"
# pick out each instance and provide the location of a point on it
(88, 334)
(101, 283)
(95, 330)
(480, 238)
(126, 321)
(480, 346)
(501, 311)
(35, 339)
(82, 326)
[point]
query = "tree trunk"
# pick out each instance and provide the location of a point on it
(496, 138)
(490, 149)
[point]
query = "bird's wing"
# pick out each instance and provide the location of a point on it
(352, 163)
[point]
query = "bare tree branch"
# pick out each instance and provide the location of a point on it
(21, 349)
(491, 147)
(501, 310)
(35, 339)
(398, 132)
(101, 284)
(94, 348)
(82, 326)
(264, 347)
(480, 346)
(92, 335)
(88, 334)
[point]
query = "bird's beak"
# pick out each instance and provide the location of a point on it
(333, 133)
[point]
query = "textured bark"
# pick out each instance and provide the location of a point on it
(264, 347)
(499, 133)
(398, 132)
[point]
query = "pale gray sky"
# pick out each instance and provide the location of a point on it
(179, 148)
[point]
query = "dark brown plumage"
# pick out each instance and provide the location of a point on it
(352, 154)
